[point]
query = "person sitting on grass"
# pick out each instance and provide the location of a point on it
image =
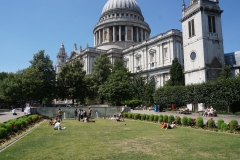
(55, 120)
(14, 111)
(57, 126)
(50, 122)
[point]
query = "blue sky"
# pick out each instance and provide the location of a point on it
(28, 26)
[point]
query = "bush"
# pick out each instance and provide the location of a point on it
(19, 125)
(219, 123)
(160, 119)
(3, 133)
(233, 124)
(147, 117)
(165, 118)
(2, 125)
(8, 128)
(143, 117)
(125, 115)
(237, 113)
(129, 115)
(151, 118)
(178, 120)
(199, 122)
(184, 121)
(170, 119)
(210, 123)
(190, 121)
(224, 126)
(156, 118)
(224, 112)
(136, 116)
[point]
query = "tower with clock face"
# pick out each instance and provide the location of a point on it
(202, 40)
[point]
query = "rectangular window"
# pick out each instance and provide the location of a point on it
(211, 24)
(191, 29)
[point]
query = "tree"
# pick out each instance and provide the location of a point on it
(42, 65)
(117, 87)
(101, 70)
(70, 81)
(177, 77)
(225, 73)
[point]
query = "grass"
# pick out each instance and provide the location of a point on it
(106, 139)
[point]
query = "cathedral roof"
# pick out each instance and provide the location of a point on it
(122, 4)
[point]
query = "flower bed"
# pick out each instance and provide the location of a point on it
(15, 127)
(219, 126)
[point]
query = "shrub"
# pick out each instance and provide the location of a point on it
(19, 125)
(210, 123)
(237, 113)
(170, 119)
(190, 121)
(151, 118)
(184, 120)
(143, 117)
(2, 125)
(233, 124)
(219, 123)
(199, 122)
(156, 118)
(224, 126)
(133, 116)
(160, 119)
(125, 115)
(3, 133)
(9, 128)
(136, 116)
(165, 118)
(129, 115)
(147, 117)
(178, 120)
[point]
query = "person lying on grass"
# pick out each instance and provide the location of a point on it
(167, 126)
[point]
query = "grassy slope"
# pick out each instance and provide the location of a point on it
(107, 139)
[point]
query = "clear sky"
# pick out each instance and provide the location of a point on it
(27, 26)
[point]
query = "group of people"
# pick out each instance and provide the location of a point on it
(118, 117)
(56, 122)
(208, 112)
(83, 115)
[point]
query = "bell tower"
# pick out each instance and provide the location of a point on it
(202, 40)
(61, 58)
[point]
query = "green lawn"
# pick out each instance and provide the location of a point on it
(106, 139)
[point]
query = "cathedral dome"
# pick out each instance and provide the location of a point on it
(122, 4)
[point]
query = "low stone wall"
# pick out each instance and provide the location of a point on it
(97, 111)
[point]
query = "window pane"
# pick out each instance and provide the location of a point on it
(209, 24)
(193, 31)
(213, 24)
(189, 28)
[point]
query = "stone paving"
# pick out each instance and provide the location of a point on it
(5, 116)
(226, 118)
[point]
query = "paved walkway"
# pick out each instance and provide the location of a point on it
(226, 118)
(5, 116)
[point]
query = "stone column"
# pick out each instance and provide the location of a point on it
(108, 34)
(99, 37)
(137, 35)
(146, 35)
(132, 32)
(126, 27)
(94, 39)
(141, 34)
(120, 34)
(114, 38)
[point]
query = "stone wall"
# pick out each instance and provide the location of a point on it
(97, 111)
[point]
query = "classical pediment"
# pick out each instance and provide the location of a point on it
(73, 54)
(215, 63)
